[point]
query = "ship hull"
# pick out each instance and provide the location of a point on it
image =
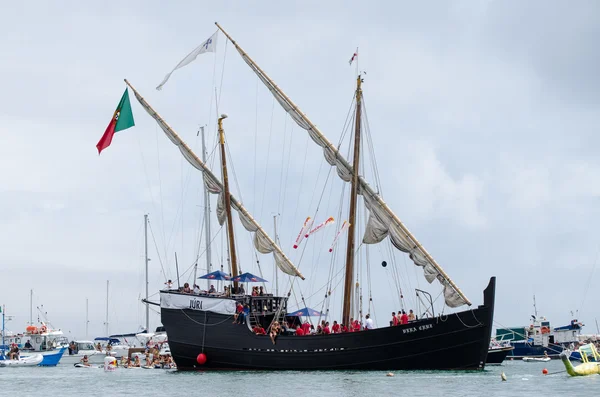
(497, 355)
(450, 342)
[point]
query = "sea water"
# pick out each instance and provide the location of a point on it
(522, 379)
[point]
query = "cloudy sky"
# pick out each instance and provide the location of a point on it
(483, 118)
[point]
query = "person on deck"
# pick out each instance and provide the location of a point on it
(212, 289)
(238, 310)
(28, 345)
(169, 284)
(196, 290)
(241, 319)
(369, 322)
(344, 328)
(254, 291)
(261, 291)
(187, 289)
(394, 319)
(306, 328)
(404, 318)
(274, 331)
(411, 316)
(326, 330)
(299, 331)
(335, 329)
(241, 290)
(356, 326)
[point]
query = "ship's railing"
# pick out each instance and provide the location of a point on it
(264, 304)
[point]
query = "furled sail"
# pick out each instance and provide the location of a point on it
(382, 221)
(263, 243)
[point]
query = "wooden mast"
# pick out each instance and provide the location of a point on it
(352, 217)
(234, 271)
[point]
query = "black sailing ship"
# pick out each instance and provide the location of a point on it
(200, 328)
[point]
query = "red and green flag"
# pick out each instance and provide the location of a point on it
(121, 120)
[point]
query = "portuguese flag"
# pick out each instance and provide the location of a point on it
(121, 120)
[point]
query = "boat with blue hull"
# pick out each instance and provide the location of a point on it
(540, 339)
(49, 358)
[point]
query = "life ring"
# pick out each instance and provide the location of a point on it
(545, 330)
(43, 329)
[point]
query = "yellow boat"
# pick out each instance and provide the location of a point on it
(586, 367)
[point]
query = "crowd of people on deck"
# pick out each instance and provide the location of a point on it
(402, 318)
(227, 290)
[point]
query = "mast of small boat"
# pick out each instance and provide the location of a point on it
(31, 307)
(87, 322)
(276, 240)
(146, 262)
(206, 218)
(234, 271)
(106, 322)
(353, 199)
(3, 310)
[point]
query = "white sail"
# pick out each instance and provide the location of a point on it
(382, 221)
(263, 243)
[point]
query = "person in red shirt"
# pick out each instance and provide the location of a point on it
(260, 330)
(326, 330)
(336, 328)
(306, 328)
(344, 328)
(238, 309)
(299, 331)
(404, 318)
(394, 319)
(356, 326)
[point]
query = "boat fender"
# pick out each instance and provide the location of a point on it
(43, 329)
(545, 371)
(201, 359)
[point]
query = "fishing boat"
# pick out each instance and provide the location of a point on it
(540, 339)
(200, 329)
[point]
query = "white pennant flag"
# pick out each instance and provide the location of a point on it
(210, 45)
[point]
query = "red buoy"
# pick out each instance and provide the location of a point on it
(201, 359)
(545, 371)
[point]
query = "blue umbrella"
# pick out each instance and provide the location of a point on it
(216, 275)
(306, 312)
(248, 278)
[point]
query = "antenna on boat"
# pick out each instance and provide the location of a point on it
(30, 307)
(534, 307)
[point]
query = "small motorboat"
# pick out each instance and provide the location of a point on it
(536, 359)
(30, 361)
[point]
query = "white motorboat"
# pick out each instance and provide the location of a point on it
(83, 348)
(30, 361)
(536, 359)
